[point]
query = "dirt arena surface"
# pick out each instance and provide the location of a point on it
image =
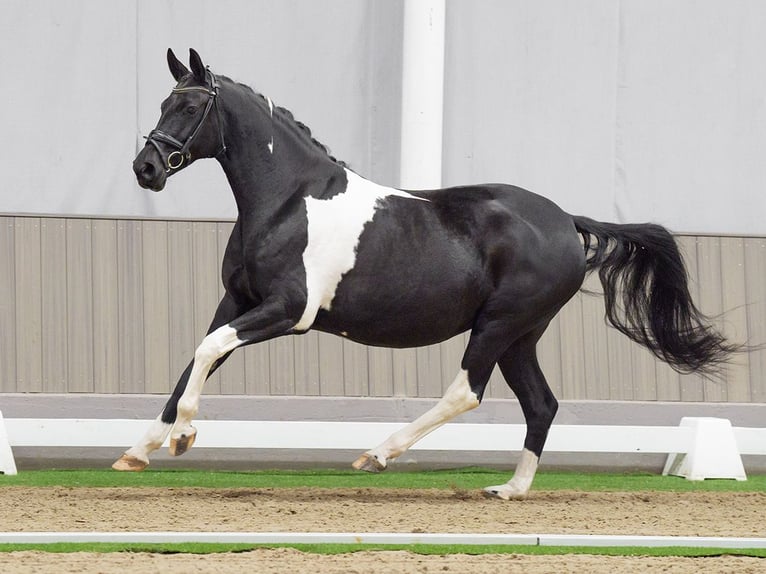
(375, 510)
(286, 560)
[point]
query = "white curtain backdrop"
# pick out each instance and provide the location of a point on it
(625, 111)
(630, 110)
(84, 79)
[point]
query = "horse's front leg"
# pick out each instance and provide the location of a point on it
(137, 457)
(267, 320)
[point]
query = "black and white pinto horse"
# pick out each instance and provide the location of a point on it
(317, 246)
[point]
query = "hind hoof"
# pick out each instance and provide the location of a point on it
(129, 463)
(180, 445)
(504, 492)
(368, 463)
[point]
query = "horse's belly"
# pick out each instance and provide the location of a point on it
(395, 331)
(407, 310)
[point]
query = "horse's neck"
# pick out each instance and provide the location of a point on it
(265, 173)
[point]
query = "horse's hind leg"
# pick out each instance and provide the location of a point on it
(459, 398)
(488, 340)
(522, 372)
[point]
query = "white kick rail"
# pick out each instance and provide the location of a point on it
(699, 448)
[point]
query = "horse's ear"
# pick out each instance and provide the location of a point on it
(176, 67)
(197, 67)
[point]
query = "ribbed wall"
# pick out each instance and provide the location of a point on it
(118, 306)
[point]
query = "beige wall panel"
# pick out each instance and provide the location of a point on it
(257, 371)
(330, 364)
(429, 371)
(755, 267)
(282, 366)
(184, 336)
(381, 372)
(572, 350)
(668, 383)
(644, 365)
(306, 359)
(356, 378)
(29, 320)
(79, 271)
(7, 305)
(106, 343)
(734, 323)
(120, 305)
(595, 354)
(130, 302)
(405, 372)
(54, 304)
(159, 295)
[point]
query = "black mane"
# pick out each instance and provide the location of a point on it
(307, 131)
(289, 115)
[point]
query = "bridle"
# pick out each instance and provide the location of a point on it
(181, 154)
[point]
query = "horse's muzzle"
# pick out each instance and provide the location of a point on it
(149, 171)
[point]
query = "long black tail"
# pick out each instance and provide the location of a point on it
(647, 294)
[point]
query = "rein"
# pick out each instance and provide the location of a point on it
(181, 154)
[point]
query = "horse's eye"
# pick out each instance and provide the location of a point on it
(191, 110)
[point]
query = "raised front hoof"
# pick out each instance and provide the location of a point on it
(368, 463)
(180, 445)
(129, 463)
(504, 492)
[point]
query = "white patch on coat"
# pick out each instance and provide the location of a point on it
(334, 228)
(270, 145)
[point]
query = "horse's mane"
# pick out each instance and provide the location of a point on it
(307, 131)
(289, 115)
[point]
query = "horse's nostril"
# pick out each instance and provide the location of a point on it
(146, 171)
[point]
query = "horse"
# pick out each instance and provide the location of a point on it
(317, 246)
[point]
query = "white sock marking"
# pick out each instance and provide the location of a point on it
(151, 441)
(458, 399)
(519, 485)
(334, 228)
(214, 346)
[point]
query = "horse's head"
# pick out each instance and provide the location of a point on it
(187, 129)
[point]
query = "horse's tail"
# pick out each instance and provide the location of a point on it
(647, 294)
